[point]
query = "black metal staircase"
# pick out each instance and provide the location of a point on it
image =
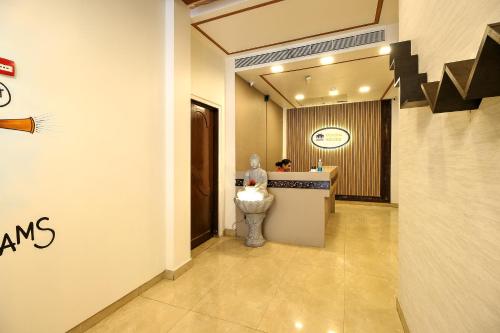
(463, 83)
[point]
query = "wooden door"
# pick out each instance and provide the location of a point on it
(203, 173)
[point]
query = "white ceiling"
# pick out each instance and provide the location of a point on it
(248, 25)
(350, 71)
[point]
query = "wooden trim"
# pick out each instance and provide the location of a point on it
(262, 76)
(107, 311)
(196, 3)
(229, 232)
(371, 203)
(385, 154)
(211, 39)
(401, 314)
(215, 18)
(378, 12)
(175, 274)
(387, 90)
(342, 197)
(196, 25)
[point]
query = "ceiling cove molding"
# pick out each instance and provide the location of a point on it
(337, 44)
(197, 26)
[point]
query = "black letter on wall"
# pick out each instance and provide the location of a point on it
(26, 233)
(6, 239)
(45, 229)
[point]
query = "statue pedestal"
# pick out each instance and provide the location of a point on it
(254, 222)
(255, 212)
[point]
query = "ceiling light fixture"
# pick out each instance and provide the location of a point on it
(326, 60)
(364, 89)
(333, 92)
(277, 69)
(384, 50)
(298, 325)
(299, 97)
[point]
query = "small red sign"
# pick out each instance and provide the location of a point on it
(7, 67)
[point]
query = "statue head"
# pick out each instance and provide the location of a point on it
(254, 161)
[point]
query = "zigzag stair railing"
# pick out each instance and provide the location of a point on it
(463, 83)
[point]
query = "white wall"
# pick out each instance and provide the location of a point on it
(230, 146)
(449, 183)
(395, 151)
(208, 78)
(177, 139)
(95, 67)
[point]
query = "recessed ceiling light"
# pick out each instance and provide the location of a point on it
(299, 97)
(333, 92)
(326, 60)
(364, 89)
(299, 325)
(384, 50)
(277, 69)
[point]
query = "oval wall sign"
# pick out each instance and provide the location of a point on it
(330, 137)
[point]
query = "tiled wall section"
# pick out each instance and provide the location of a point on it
(449, 183)
(358, 161)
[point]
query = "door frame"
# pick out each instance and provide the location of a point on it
(216, 223)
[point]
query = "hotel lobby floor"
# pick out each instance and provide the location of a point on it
(347, 287)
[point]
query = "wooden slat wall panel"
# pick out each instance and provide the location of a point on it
(359, 161)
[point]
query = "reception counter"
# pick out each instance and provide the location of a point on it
(303, 201)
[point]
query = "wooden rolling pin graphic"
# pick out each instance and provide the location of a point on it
(25, 125)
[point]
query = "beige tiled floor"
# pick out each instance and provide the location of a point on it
(347, 287)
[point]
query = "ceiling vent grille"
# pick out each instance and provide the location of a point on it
(311, 49)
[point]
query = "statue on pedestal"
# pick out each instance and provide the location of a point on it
(254, 201)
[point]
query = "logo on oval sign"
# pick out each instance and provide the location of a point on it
(330, 137)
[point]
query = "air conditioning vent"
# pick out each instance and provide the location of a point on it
(311, 49)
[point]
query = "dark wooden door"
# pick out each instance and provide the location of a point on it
(203, 173)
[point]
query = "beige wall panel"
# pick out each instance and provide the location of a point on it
(207, 70)
(358, 161)
(449, 183)
(251, 127)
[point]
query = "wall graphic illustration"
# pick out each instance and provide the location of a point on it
(11, 241)
(29, 125)
(25, 125)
